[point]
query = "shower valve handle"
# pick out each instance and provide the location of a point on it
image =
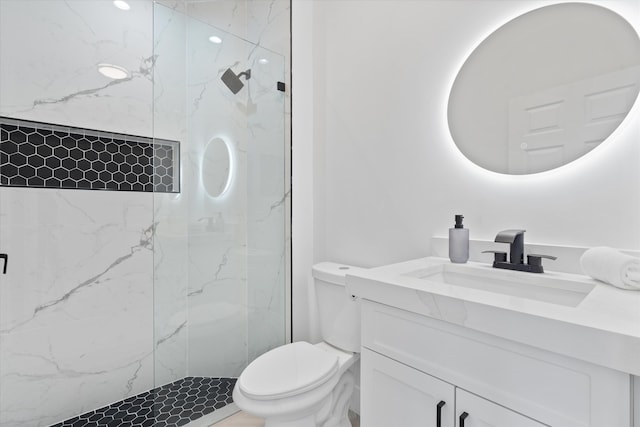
(6, 261)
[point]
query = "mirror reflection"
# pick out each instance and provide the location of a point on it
(545, 88)
(216, 167)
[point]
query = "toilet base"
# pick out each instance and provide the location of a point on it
(333, 410)
(338, 415)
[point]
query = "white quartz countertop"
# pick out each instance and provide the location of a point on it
(603, 329)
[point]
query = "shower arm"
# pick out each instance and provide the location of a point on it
(246, 74)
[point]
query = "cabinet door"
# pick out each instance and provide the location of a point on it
(483, 413)
(393, 394)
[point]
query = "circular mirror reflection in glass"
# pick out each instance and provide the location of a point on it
(545, 88)
(216, 167)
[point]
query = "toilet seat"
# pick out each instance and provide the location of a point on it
(287, 371)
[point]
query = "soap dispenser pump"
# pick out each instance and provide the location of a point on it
(459, 242)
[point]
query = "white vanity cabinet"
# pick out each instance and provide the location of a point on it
(411, 362)
(394, 394)
(482, 413)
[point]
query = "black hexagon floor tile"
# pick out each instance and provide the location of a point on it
(171, 405)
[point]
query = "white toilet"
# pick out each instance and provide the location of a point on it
(308, 385)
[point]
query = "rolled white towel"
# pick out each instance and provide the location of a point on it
(613, 267)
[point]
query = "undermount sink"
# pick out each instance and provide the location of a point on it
(550, 287)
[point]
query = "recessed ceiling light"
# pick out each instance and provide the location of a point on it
(263, 61)
(113, 71)
(215, 39)
(120, 4)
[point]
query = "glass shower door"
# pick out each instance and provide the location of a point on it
(220, 244)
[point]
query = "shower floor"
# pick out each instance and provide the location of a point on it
(174, 404)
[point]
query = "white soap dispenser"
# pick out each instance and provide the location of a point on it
(459, 242)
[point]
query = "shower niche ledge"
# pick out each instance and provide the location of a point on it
(445, 348)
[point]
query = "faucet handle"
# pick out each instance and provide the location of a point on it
(498, 256)
(536, 259)
(508, 236)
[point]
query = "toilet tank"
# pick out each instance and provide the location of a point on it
(338, 310)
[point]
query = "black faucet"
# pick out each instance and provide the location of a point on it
(515, 238)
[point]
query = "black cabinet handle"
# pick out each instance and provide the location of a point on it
(6, 261)
(439, 413)
(463, 417)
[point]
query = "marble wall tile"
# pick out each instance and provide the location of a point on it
(171, 211)
(217, 225)
(169, 73)
(252, 122)
(264, 23)
(175, 5)
(170, 290)
(268, 24)
(77, 303)
(266, 209)
(217, 303)
(41, 81)
(76, 307)
(227, 15)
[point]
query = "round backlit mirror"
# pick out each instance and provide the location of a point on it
(216, 167)
(545, 88)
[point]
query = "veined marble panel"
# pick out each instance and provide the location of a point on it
(50, 51)
(169, 73)
(170, 289)
(227, 15)
(237, 247)
(266, 298)
(217, 303)
(217, 225)
(76, 304)
(244, 295)
(171, 211)
(268, 24)
(76, 307)
(266, 197)
(263, 23)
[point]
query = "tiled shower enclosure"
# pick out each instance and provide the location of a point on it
(143, 218)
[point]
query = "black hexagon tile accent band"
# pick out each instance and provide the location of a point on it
(44, 155)
(174, 404)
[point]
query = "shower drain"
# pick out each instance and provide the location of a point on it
(174, 404)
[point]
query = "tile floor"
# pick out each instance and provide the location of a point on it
(170, 405)
(242, 419)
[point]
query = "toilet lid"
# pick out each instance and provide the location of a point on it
(286, 371)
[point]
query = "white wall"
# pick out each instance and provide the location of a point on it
(389, 177)
(305, 213)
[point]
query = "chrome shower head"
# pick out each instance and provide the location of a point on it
(232, 81)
